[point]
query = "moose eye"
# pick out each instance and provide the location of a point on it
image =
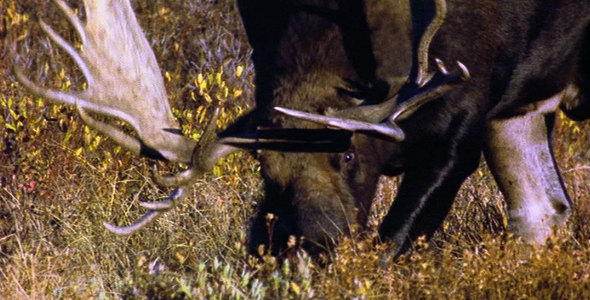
(348, 157)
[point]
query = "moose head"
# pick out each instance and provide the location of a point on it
(322, 137)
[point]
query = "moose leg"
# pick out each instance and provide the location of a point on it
(433, 175)
(518, 151)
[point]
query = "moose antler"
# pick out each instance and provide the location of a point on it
(125, 82)
(205, 155)
(380, 118)
(421, 88)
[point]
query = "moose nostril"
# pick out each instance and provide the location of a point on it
(560, 207)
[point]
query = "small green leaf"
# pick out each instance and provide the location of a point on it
(8, 126)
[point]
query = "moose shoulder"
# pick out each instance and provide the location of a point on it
(355, 101)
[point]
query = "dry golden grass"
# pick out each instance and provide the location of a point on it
(60, 181)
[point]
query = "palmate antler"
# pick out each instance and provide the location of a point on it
(125, 82)
(421, 88)
(123, 78)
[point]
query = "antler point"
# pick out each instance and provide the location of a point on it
(465, 75)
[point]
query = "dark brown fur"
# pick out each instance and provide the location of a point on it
(319, 55)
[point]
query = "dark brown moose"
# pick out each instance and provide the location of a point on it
(344, 95)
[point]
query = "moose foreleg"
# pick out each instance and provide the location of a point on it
(518, 151)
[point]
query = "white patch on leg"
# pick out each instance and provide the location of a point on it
(518, 153)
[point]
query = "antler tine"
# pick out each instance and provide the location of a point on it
(200, 157)
(127, 141)
(206, 153)
(141, 222)
(73, 18)
(439, 84)
(55, 95)
(393, 132)
(131, 143)
(156, 209)
(69, 49)
(169, 202)
(422, 53)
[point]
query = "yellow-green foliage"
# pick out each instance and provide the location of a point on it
(60, 180)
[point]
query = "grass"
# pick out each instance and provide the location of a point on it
(60, 181)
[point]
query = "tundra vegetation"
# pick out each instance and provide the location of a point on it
(59, 181)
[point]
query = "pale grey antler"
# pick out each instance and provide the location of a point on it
(125, 82)
(123, 79)
(205, 155)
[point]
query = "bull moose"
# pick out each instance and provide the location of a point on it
(344, 94)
